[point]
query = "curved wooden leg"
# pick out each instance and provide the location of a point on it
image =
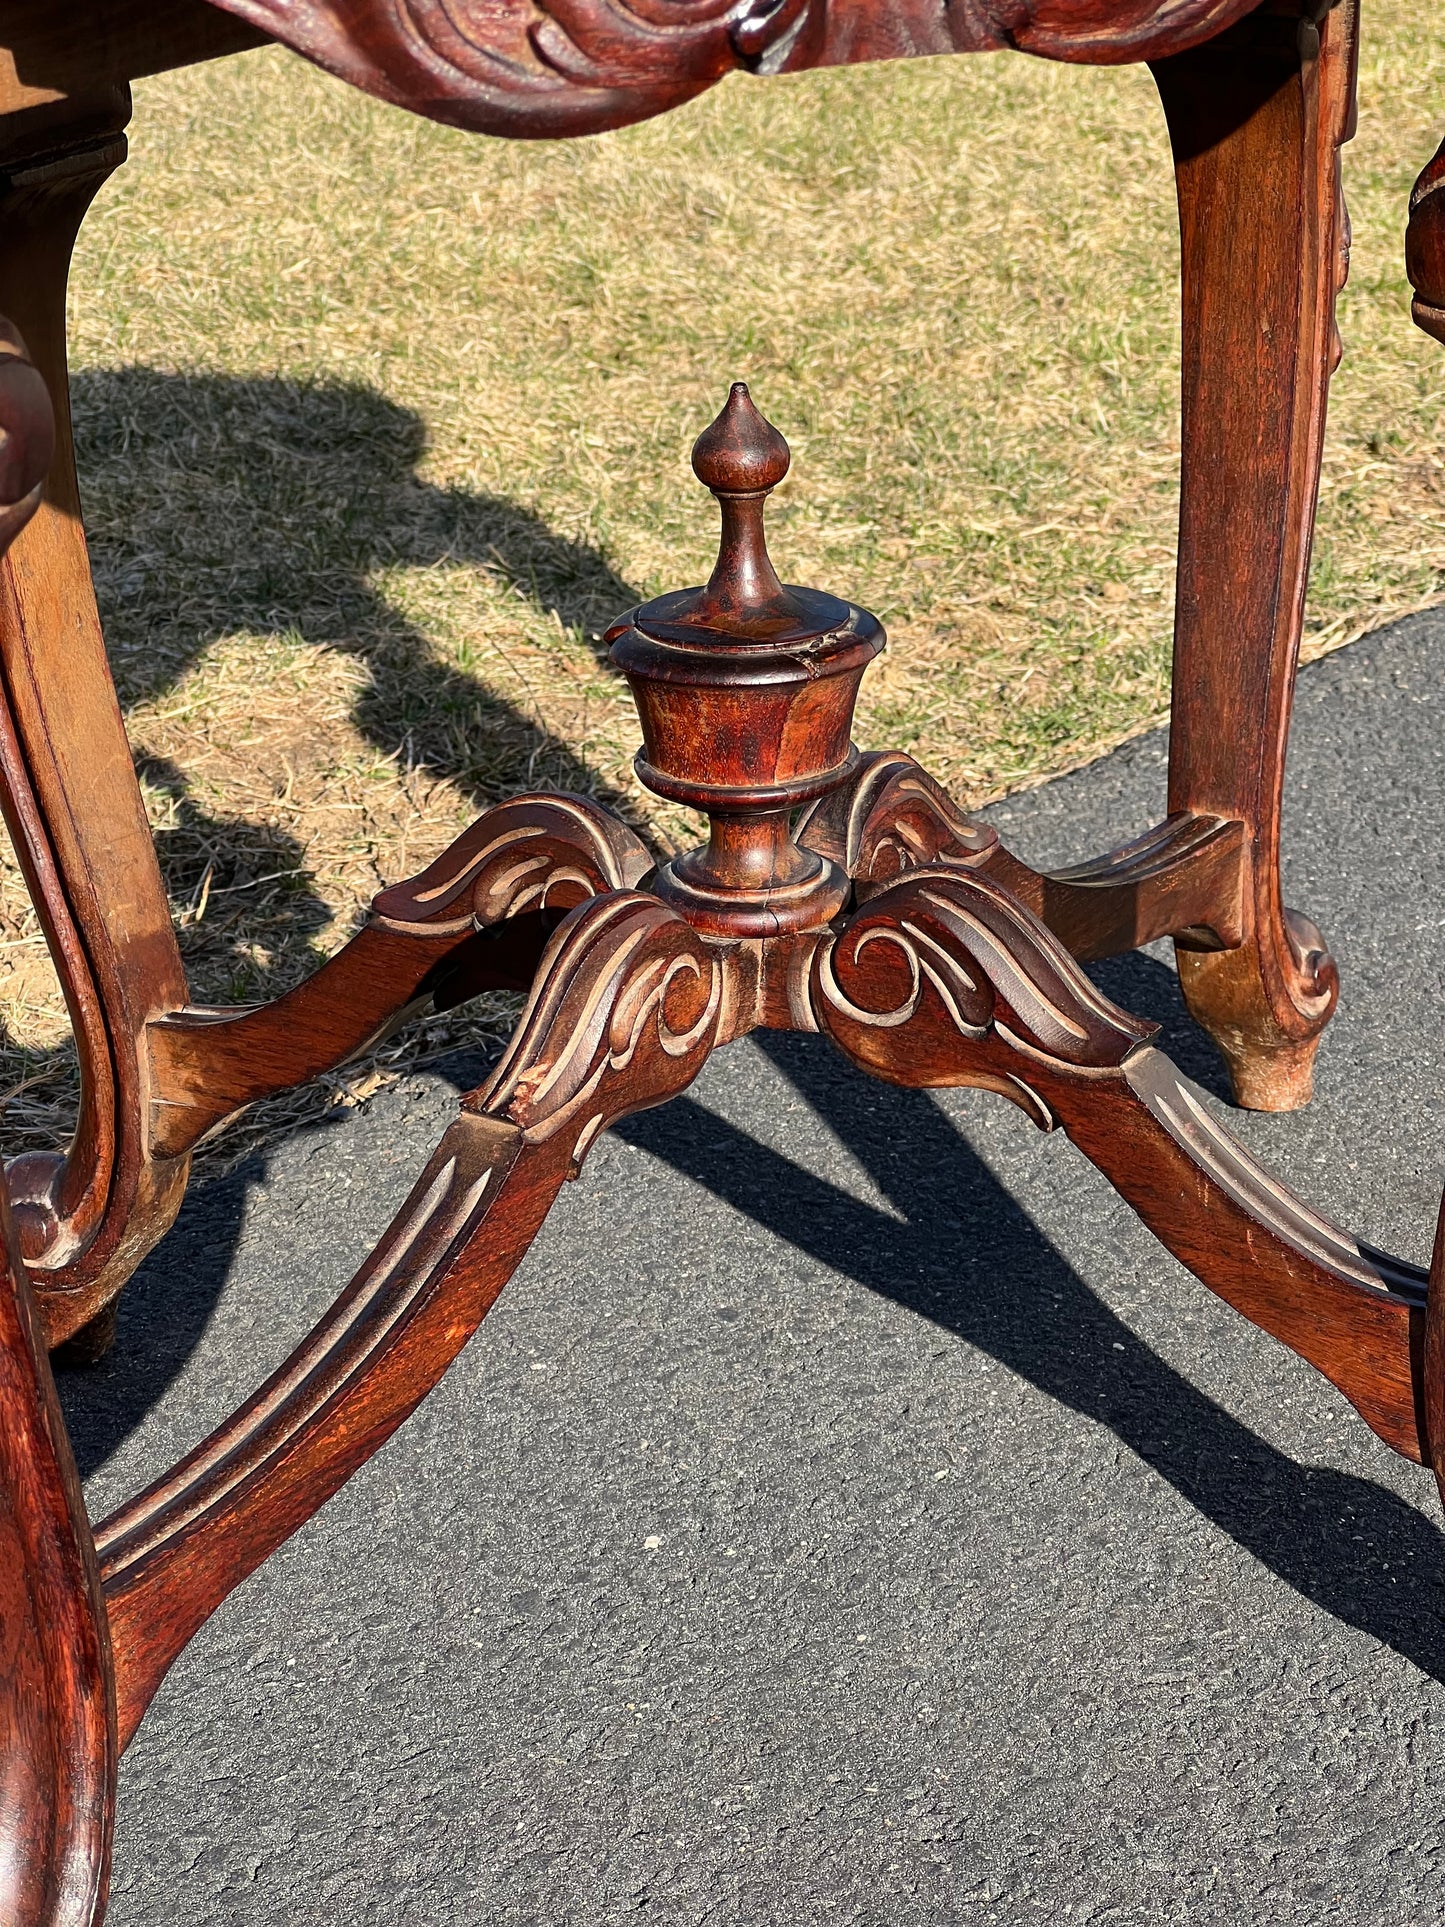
(475, 919)
(57, 1708)
(623, 1015)
(1433, 1361)
(1184, 874)
(1425, 248)
(1425, 263)
(945, 979)
(1256, 118)
(69, 790)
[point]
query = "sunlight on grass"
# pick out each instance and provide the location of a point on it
(380, 423)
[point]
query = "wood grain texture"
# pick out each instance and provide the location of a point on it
(57, 1726)
(512, 874)
(1432, 1361)
(945, 979)
(1184, 876)
(74, 808)
(57, 1723)
(1256, 118)
(835, 892)
(543, 68)
(622, 1016)
(746, 689)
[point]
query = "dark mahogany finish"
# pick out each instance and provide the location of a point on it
(535, 68)
(1425, 247)
(746, 693)
(838, 892)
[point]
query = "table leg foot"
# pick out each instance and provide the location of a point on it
(57, 1719)
(1268, 1042)
(1256, 119)
(90, 1344)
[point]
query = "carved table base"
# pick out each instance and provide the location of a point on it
(837, 893)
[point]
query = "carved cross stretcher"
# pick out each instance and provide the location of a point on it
(838, 892)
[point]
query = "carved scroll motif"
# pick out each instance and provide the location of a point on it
(889, 819)
(1425, 248)
(622, 1016)
(945, 980)
(544, 68)
(27, 434)
(528, 853)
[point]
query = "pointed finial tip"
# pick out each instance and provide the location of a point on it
(741, 453)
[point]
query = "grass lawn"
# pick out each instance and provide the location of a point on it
(379, 424)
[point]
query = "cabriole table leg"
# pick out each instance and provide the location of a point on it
(1256, 118)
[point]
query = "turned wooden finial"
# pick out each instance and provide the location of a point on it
(745, 689)
(740, 453)
(741, 457)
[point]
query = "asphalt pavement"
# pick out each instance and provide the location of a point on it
(849, 1514)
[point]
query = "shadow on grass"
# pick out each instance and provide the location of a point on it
(217, 505)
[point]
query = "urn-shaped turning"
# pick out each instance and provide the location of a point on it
(746, 689)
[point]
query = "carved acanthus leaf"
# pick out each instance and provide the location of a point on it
(622, 1016)
(945, 979)
(543, 68)
(892, 818)
(529, 853)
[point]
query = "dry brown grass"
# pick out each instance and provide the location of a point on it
(380, 424)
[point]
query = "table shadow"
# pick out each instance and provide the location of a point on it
(220, 506)
(956, 1248)
(963, 1253)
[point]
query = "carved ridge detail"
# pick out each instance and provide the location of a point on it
(527, 853)
(1028, 987)
(626, 993)
(944, 979)
(58, 1746)
(892, 818)
(543, 68)
(1425, 248)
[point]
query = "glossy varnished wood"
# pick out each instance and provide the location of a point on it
(1185, 874)
(1425, 248)
(72, 803)
(474, 920)
(1256, 118)
(946, 979)
(837, 892)
(57, 1712)
(1207, 873)
(541, 68)
(622, 1016)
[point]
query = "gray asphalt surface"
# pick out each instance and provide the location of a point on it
(849, 1514)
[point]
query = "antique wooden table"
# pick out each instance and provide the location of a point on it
(837, 892)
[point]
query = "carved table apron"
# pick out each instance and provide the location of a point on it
(837, 892)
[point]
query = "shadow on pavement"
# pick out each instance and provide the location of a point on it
(970, 1259)
(966, 1256)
